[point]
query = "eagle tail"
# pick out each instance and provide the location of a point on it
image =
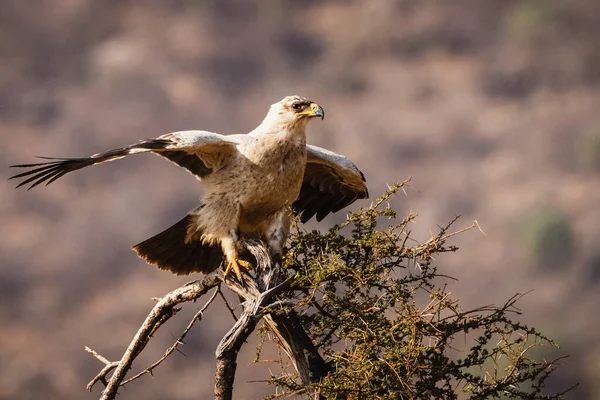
(169, 251)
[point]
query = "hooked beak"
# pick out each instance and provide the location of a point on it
(314, 110)
(317, 110)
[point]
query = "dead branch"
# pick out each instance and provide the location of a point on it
(255, 305)
(228, 349)
(162, 311)
(293, 339)
(108, 366)
(197, 317)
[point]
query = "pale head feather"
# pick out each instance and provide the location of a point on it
(282, 117)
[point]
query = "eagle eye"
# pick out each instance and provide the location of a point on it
(297, 106)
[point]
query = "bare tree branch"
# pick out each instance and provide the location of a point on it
(101, 377)
(254, 308)
(227, 353)
(162, 311)
(294, 340)
(197, 317)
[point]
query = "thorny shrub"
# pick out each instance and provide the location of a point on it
(379, 312)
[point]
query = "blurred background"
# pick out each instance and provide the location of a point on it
(493, 108)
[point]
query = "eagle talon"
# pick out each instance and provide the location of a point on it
(234, 265)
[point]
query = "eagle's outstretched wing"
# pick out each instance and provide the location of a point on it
(199, 152)
(331, 182)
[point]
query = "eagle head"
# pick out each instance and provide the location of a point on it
(293, 112)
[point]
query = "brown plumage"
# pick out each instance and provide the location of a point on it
(250, 182)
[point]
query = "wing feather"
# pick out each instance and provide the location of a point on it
(188, 149)
(331, 182)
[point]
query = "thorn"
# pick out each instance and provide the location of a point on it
(181, 352)
(479, 227)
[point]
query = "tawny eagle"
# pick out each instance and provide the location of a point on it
(250, 181)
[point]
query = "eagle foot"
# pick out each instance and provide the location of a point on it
(234, 264)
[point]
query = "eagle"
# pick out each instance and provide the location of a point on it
(252, 184)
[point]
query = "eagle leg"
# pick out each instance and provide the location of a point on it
(231, 255)
(277, 233)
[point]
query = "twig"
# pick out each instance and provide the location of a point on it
(101, 377)
(235, 318)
